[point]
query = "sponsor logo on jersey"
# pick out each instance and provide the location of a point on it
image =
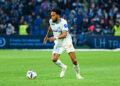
(56, 31)
(53, 24)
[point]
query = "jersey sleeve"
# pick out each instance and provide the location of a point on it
(65, 26)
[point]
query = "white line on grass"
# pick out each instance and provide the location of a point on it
(75, 49)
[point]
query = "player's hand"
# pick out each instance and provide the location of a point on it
(52, 39)
(45, 40)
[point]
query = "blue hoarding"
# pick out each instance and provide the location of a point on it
(23, 42)
(103, 42)
(36, 42)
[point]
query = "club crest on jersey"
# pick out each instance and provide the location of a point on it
(58, 27)
(65, 25)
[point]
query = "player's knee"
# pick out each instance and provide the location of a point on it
(54, 59)
(75, 62)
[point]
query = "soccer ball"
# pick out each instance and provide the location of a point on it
(31, 74)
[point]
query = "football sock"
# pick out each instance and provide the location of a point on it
(77, 69)
(59, 63)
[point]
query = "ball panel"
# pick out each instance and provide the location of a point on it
(31, 74)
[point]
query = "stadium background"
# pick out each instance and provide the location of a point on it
(85, 18)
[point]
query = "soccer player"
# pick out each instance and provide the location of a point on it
(63, 41)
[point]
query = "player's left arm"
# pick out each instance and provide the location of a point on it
(63, 35)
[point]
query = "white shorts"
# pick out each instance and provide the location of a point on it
(59, 49)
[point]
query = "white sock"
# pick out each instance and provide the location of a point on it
(59, 63)
(77, 69)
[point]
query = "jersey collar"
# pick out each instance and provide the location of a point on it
(59, 21)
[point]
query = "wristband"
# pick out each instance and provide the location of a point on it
(56, 37)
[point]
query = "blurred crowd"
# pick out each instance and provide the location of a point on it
(31, 17)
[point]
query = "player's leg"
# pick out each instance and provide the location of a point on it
(71, 51)
(56, 60)
(73, 58)
(76, 65)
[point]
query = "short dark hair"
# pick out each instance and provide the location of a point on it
(57, 10)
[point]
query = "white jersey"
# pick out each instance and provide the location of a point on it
(57, 29)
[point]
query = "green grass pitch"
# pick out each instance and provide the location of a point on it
(99, 68)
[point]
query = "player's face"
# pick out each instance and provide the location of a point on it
(54, 16)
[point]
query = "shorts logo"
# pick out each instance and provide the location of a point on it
(2, 42)
(57, 49)
(70, 47)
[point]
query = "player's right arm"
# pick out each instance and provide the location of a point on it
(48, 33)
